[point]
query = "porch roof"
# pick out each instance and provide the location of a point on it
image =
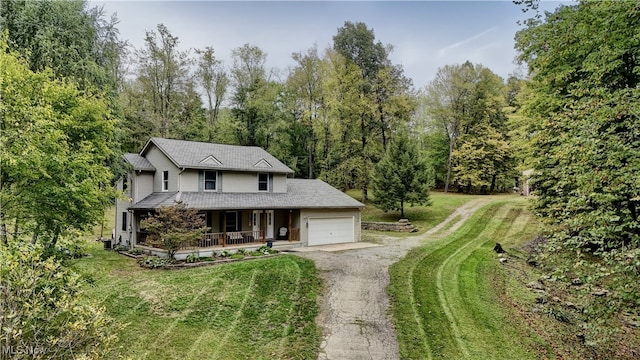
(301, 194)
(138, 162)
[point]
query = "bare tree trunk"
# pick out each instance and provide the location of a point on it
(446, 182)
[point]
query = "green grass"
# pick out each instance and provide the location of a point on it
(451, 298)
(422, 217)
(259, 309)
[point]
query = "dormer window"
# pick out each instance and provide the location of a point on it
(165, 180)
(210, 180)
(263, 182)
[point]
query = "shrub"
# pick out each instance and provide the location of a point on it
(154, 262)
(136, 251)
(44, 312)
(120, 248)
(265, 250)
(173, 227)
(191, 258)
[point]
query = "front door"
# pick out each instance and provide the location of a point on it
(263, 219)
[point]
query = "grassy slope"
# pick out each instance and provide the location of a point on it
(423, 217)
(451, 298)
(255, 309)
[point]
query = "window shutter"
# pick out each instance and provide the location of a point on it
(270, 189)
(219, 181)
(201, 180)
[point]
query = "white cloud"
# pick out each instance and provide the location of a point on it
(463, 43)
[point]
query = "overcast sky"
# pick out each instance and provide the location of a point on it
(425, 35)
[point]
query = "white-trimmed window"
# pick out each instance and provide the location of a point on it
(263, 182)
(165, 180)
(210, 180)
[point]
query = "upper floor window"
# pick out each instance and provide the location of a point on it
(210, 178)
(125, 183)
(165, 180)
(263, 182)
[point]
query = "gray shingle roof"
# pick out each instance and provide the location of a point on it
(138, 162)
(200, 155)
(301, 194)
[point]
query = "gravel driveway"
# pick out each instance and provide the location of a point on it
(354, 311)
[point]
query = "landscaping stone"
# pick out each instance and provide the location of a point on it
(600, 292)
(402, 225)
(535, 285)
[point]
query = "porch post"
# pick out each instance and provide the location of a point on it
(224, 228)
(263, 226)
(289, 230)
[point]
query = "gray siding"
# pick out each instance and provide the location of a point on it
(162, 163)
(240, 182)
(189, 180)
(279, 183)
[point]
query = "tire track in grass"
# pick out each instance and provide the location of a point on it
(471, 303)
(173, 324)
(215, 353)
(414, 309)
(438, 237)
(205, 334)
(445, 299)
(285, 329)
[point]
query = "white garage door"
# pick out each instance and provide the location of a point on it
(333, 230)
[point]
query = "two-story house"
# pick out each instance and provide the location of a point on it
(245, 194)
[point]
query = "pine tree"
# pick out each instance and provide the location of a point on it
(402, 176)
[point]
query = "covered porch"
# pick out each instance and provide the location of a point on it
(232, 228)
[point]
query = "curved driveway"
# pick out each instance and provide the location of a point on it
(354, 312)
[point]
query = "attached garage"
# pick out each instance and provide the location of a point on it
(331, 230)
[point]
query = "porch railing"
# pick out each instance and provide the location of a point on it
(237, 238)
(232, 238)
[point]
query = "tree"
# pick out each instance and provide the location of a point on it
(54, 145)
(44, 313)
(256, 98)
(75, 42)
(162, 73)
(467, 102)
(214, 80)
(402, 176)
(585, 91)
(448, 100)
(583, 108)
(172, 227)
(382, 98)
(306, 104)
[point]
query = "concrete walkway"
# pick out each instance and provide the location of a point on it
(354, 311)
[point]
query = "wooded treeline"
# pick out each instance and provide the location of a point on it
(329, 116)
(332, 115)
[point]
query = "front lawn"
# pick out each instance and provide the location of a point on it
(261, 309)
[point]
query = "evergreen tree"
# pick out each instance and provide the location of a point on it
(402, 176)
